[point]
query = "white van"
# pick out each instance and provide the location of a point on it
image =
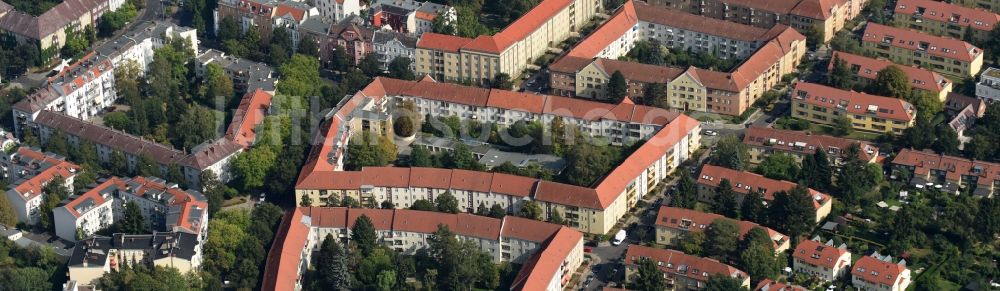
(619, 237)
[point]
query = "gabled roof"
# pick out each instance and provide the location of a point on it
(677, 263)
(913, 40)
(816, 253)
(744, 182)
(854, 102)
(442, 42)
(771, 285)
(952, 167)
(871, 269)
(607, 33)
(805, 142)
(949, 13)
(250, 113)
(696, 221)
(868, 68)
(697, 23)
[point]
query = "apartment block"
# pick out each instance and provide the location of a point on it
(988, 87)
(827, 17)
(769, 54)
(48, 30)
(680, 271)
(164, 206)
(390, 45)
(669, 138)
(821, 260)
(247, 75)
(992, 5)
(336, 10)
(549, 253)
(955, 174)
(29, 172)
(510, 51)
(96, 256)
(267, 15)
(944, 55)
(673, 223)
(765, 141)
(866, 112)
(922, 80)
(945, 19)
(746, 182)
(877, 272)
(409, 16)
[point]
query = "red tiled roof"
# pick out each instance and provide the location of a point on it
(953, 167)
(386, 176)
(528, 229)
(870, 269)
(804, 142)
(281, 270)
(712, 175)
(442, 42)
(949, 13)
(32, 187)
(294, 12)
(513, 185)
(567, 194)
(697, 221)
(94, 195)
(607, 33)
(817, 254)
(471, 180)
(771, 285)
(519, 29)
(706, 25)
(250, 113)
(854, 102)
(868, 68)
(639, 72)
(544, 265)
(430, 178)
(677, 263)
(913, 40)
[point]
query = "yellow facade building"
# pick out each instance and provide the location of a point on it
(866, 112)
(944, 55)
(944, 19)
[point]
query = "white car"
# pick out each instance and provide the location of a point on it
(831, 288)
(710, 133)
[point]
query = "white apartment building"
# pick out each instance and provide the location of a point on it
(164, 206)
(819, 260)
(30, 171)
(95, 256)
(988, 87)
(337, 10)
(390, 45)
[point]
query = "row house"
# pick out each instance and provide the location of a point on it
(955, 174)
(821, 260)
(866, 70)
(510, 51)
(511, 239)
(29, 172)
(410, 16)
(96, 256)
(944, 55)
(673, 223)
(746, 182)
(877, 272)
(669, 137)
(826, 105)
(944, 19)
(769, 54)
(766, 141)
(826, 17)
(680, 271)
(164, 206)
(48, 30)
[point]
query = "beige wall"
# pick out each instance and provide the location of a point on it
(950, 67)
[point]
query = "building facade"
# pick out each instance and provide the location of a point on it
(335, 10)
(680, 271)
(391, 45)
(988, 87)
(826, 105)
(410, 16)
(827, 17)
(674, 223)
(877, 272)
(510, 51)
(955, 174)
(30, 171)
(550, 253)
(944, 55)
(746, 182)
(764, 141)
(819, 260)
(49, 30)
(96, 256)
(944, 19)
(866, 70)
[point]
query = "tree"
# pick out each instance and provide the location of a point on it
(339, 60)
(686, 195)
(331, 265)
(649, 277)
(7, 215)
(497, 211)
(502, 81)
(252, 167)
(461, 157)
(817, 171)
(133, 222)
(423, 205)
(854, 179)
(840, 75)
(217, 85)
(779, 166)
(57, 143)
(29, 138)
(556, 218)
(370, 149)
(370, 65)
(308, 46)
(842, 126)
(725, 200)
(399, 68)
(758, 258)
(722, 282)
(441, 25)
(117, 164)
(947, 141)
(29, 278)
(721, 240)
(792, 211)
(586, 162)
(892, 82)
(386, 280)
(814, 36)
(363, 234)
(617, 86)
(691, 243)
(197, 125)
(730, 152)
(530, 209)
(299, 76)
(446, 203)
(752, 208)
(421, 157)
(403, 126)
(117, 120)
